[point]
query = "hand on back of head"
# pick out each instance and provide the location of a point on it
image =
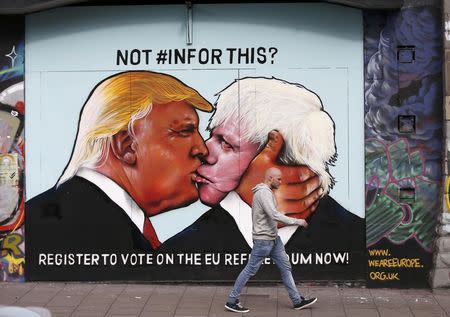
(300, 191)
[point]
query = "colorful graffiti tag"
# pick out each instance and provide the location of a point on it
(12, 163)
(403, 130)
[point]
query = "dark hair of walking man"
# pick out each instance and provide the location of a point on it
(266, 242)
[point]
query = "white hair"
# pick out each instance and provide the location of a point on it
(260, 105)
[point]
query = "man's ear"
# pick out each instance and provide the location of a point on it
(124, 148)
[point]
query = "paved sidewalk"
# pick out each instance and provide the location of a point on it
(162, 300)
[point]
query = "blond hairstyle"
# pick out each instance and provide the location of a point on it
(115, 104)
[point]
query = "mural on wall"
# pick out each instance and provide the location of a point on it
(403, 130)
(131, 163)
(160, 144)
(12, 196)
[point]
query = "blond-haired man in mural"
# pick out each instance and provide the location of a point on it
(136, 153)
(241, 144)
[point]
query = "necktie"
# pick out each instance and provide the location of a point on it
(150, 234)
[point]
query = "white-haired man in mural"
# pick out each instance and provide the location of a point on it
(300, 133)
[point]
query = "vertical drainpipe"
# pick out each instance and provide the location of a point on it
(189, 23)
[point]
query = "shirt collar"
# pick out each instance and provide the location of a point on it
(117, 194)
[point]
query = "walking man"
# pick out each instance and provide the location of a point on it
(266, 242)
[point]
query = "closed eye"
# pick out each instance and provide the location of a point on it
(186, 131)
(224, 144)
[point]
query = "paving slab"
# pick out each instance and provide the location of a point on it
(326, 312)
(88, 313)
(362, 312)
(156, 314)
(165, 300)
(397, 312)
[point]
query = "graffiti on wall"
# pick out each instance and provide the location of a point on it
(403, 130)
(131, 163)
(12, 196)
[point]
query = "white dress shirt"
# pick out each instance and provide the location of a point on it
(242, 214)
(116, 193)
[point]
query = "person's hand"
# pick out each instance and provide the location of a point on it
(302, 223)
(299, 194)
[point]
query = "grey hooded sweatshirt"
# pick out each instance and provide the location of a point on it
(265, 214)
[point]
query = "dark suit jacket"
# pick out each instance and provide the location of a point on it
(78, 217)
(331, 229)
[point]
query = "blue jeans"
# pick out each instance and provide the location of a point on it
(262, 249)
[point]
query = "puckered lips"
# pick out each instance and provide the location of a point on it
(200, 179)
